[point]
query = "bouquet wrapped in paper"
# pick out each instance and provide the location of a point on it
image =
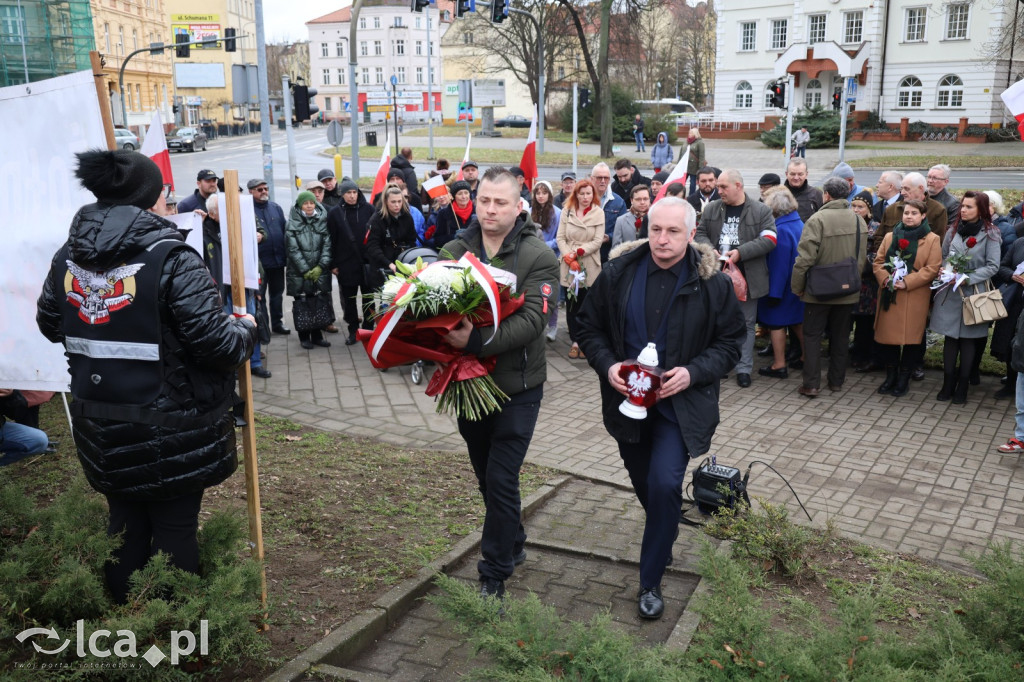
(420, 305)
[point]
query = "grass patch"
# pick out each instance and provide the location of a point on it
(460, 132)
(933, 355)
(344, 520)
(851, 612)
(923, 162)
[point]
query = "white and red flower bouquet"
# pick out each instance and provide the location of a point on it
(420, 305)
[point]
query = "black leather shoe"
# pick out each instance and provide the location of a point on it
(308, 345)
(322, 343)
(780, 373)
(796, 364)
(351, 340)
(649, 604)
(492, 587)
(261, 372)
(240, 421)
(869, 367)
(743, 380)
(766, 351)
(975, 378)
(281, 329)
(917, 374)
(1005, 392)
(519, 557)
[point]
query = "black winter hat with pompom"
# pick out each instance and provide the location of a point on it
(120, 177)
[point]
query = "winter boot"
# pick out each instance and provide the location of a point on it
(890, 380)
(960, 393)
(948, 384)
(902, 383)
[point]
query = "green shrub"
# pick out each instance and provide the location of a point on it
(822, 124)
(624, 110)
(51, 576)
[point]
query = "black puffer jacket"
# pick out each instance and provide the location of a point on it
(347, 225)
(389, 237)
(201, 346)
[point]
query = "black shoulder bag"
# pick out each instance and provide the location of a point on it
(836, 280)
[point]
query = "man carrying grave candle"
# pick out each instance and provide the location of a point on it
(666, 291)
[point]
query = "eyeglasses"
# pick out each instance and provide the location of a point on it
(602, 177)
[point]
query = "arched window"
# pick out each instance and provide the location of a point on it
(951, 92)
(909, 94)
(768, 92)
(744, 95)
(812, 93)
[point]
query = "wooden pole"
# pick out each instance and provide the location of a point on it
(103, 95)
(252, 481)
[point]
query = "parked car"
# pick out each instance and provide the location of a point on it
(126, 139)
(191, 139)
(512, 121)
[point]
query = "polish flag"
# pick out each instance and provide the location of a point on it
(1013, 98)
(465, 159)
(155, 147)
(529, 162)
(435, 187)
(382, 172)
(678, 174)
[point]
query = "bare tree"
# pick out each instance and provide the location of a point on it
(1005, 46)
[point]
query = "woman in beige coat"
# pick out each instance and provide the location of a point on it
(580, 235)
(903, 308)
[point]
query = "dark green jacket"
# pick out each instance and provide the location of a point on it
(519, 342)
(308, 245)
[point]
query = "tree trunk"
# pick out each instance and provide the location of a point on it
(607, 118)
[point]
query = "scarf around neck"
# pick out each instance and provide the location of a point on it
(463, 213)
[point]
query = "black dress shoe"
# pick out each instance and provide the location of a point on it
(869, 367)
(649, 604)
(917, 374)
(796, 364)
(308, 345)
(975, 377)
(261, 372)
(780, 373)
(766, 351)
(519, 557)
(1005, 392)
(351, 340)
(322, 343)
(743, 380)
(281, 329)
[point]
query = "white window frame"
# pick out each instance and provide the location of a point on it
(814, 93)
(378, 48)
(419, 48)
(776, 34)
(768, 92)
(364, 48)
(812, 38)
(419, 75)
(378, 75)
(907, 38)
(376, 22)
(325, 75)
(856, 17)
(362, 23)
(366, 76)
(965, 25)
(325, 51)
(910, 89)
(327, 103)
(748, 36)
(743, 96)
(339, 48)
(400, 73)
(950, 88)
(341, 76)
(399, 47)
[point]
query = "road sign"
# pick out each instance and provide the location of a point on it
(378, 108)
(335, 134)
(348, 107)
(488, 93)
(394, 81)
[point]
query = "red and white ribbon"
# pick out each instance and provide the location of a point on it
(388, 322)
(483, 277)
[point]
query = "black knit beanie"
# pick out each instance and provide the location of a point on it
(120, 177)
(347, 185)
(459, 185)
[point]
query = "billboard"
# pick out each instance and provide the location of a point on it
(197, 27)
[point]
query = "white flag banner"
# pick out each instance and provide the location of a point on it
(39, 195)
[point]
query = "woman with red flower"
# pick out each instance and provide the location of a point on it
(546, 216)
(904, 297)
(580, 235)
(971, 248)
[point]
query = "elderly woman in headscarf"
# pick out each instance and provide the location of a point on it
(309, 258)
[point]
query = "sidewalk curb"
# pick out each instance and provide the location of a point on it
(330, 654)
(908, 169)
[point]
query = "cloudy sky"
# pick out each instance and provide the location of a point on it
(286, 19)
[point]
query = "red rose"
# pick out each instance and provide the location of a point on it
(429, 234)
(971, 242)
(580, 252)
(904, 244)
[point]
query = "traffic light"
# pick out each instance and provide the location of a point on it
(229, 40)
(175, 108)
(499, 11)
(181, 51)
(419, 5)
(464, 7)
(302, 102)
(836, 97)
(779, 95)
(584, 96)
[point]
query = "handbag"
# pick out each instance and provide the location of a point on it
(739, 282)
(835, 280)
(312, 312)
(983, 307)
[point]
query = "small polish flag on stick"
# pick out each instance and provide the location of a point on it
(529, 162)
(155, 147)
(435, 187)
(1013, 98)
(678, 174)
(382, 171)
(465, 158)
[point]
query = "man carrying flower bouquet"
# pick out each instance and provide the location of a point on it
(668, 291)
(504, 237)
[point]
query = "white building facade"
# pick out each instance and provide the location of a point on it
(391, 41)
(926, 61)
